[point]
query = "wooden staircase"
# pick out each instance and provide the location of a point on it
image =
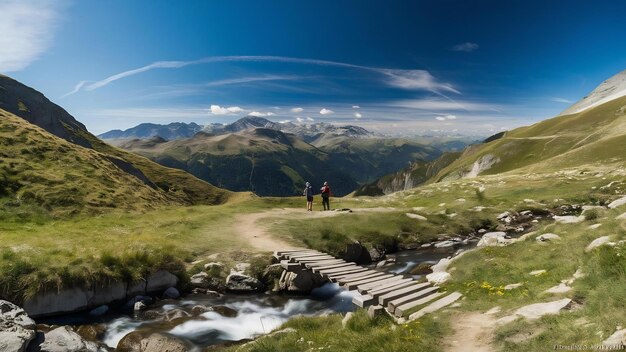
(402, 297)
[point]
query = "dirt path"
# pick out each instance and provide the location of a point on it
(473, 332)
(249, 228)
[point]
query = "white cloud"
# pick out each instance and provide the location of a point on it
(284, 121)
(297, 110)
(218, 110)
(440, 118)
(261, 114)
(561, 100)
(397, 78)
(445, 117)
(26, 31)
(299, 119)
(356, 107)
(444, 104)
(310, 119)
(358, 115)
(325, 111)
(466, 47)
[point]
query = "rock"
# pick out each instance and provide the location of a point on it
(617, 203)
(597, 243)
(147, 300)
(17, 329)
(482, 231)
(171, 293)
(377, 254)
(56, 302)
(299, 281)
(346, 319)
(546, 237)
(438, 278)
(64, 339)
(96, 312)
(617, 340)
(139, 306)
(200, 280)
(382, 263)
(224, 311)
(199, 309)
(538, 272)
(241, 267)
(445, 244)
(594, 226)
(537, 310)
(416, 216)
(160, 280)
(421, 269)
(569, 219)
(494, 310)
(621, 217)
(503, 215)
(355, 252)
(162, 342)
(492, 239)
(441, 266)
(176, 314)
(91, 332)
(512, 286)
(213, 266)
(560, 288)
(131, 342)
(243, 283)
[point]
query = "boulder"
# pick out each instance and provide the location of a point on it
(547, 237)
(299, 281)
(139, 306)
(160, 280)
(131, 342)
(171, 293)
(199, 309)
(213, 266)
(377, 254)
(512, 286)
(223, 311)
(445, 244)
(560, 288)
(64, 339)
(617, 340)
(617, 203)
(569, 219)
(176, 314)
(492, 239)
(96, 312)
(597, 243)
(537, 310)
(438, 278)
(91, 332)
(56, 302)
(416, 216)
(17, 329)
(238, 282)
(163, 342)
(621, 217)
(200, 280)
(421, 269)
(355, 252)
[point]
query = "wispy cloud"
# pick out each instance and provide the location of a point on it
(356, 107)
(358, 115)
(561, 100)
(325, 111)
(465, 47)
(297, 110)
(397, 78)
(26, 31)
(445, 117)
(442, 104)
(219, 110)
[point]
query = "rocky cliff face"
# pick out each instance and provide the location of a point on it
(611, 89)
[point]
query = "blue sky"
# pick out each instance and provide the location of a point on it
(410, 67)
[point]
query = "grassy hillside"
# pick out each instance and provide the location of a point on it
(24, 108)
(594, 136)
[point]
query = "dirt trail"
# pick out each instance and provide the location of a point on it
(249, 228)
(473, 332)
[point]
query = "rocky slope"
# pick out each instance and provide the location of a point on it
(611, 89)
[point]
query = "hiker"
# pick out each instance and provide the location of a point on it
(308, 192)
(326, 196)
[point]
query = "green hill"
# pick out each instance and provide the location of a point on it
(50, 159)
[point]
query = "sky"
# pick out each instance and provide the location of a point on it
(397, 67)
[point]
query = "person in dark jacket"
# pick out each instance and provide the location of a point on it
(326, 196)
(308, 192)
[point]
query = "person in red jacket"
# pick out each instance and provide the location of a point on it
(326, 196)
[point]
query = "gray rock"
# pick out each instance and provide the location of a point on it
(597, 243)
(346, 319)
(377, 254)
(618, 339)
(300, 281)
(213, 266)
(548, 237)
(96, 312)
(243, 283)
(200, 280)
(131, 342)
(224, 311)
(64, 339)
(492, 239)
(164, 343)
(199, 309)
(172, 293)
(445, 244)
(160, 280)
(355, 252)
(139, 306)
(175, 314)
(617, 203)
(17, 329)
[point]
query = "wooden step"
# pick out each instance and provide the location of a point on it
(354, 270)
(405, 292)
(363, 301)
(341, 278)
(312, 259)
(324, 263)
(332, 266)
(401, 310)
(351, 285)
(435, 306)
(384, 283)
(288, 266)
(345, 269)
(379, 291)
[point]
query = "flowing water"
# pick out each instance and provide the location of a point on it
(247, 316)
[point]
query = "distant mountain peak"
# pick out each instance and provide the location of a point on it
(171, 131)
(611, 89)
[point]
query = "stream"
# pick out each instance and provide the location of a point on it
(235, 317)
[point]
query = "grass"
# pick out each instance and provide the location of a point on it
(360, 334)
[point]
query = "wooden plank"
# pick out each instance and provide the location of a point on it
(341, 278)
(300, 253)
(312, 259)
(435, 306)
(405, 295)
(333, 266)
(288, 266)
(323, 263)
(350, 285)
(379, 291)
(403, 309)
(363, 301)
(305, 255)
(347, 271)
(384, 283)
(279, 253)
